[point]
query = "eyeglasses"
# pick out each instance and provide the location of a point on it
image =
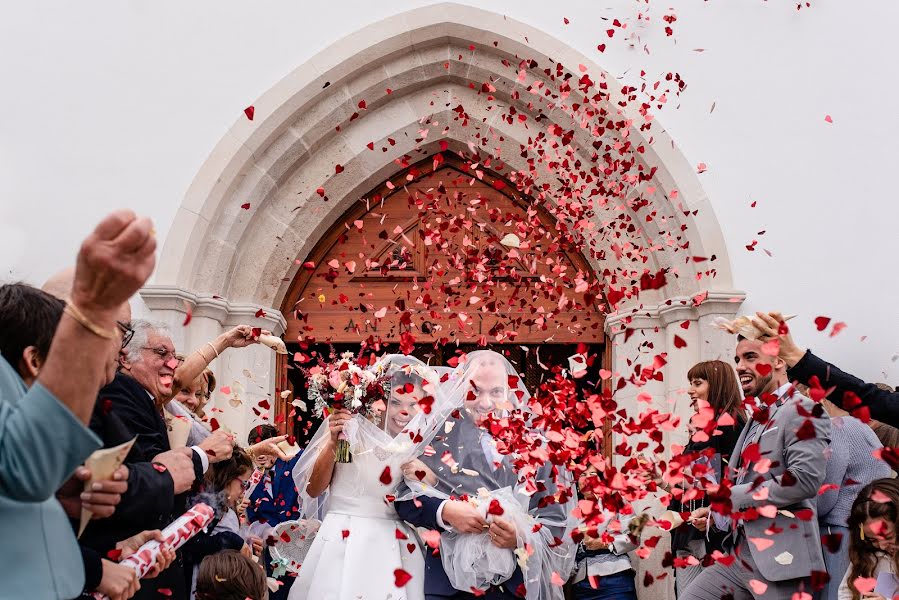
(127, 333)
(164, 354)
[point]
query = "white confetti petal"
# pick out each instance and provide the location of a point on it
(784, 558)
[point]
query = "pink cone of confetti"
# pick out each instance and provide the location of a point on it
(175, 535)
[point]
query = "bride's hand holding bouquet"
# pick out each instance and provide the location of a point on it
(340, 389)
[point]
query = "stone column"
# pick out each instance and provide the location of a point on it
(245, 377)
(682, 334)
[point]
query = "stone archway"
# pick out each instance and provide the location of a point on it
(233, 265)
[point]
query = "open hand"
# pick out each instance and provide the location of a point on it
(769, 325)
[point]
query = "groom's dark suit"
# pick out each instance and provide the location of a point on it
(464, 443)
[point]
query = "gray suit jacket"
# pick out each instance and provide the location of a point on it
(787, 545)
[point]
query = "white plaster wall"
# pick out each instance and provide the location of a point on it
(110, 103)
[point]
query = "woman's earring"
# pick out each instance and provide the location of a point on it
(861, 531)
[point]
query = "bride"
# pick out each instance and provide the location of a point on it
(362, 548)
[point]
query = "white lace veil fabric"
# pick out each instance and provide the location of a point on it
(404, 424)
(470, 464)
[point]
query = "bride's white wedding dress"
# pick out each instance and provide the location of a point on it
(362, 541)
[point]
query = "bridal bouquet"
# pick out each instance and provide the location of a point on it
(344, 383)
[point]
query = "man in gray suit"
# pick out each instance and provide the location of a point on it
(777, 467)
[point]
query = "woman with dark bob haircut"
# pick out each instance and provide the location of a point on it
(714, 427)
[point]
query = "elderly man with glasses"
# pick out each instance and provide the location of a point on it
(131, 405)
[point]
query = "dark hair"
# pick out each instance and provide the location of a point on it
(28, 317)
(887, 434)
(222, 473)
(209, 379)
(724, 392)
(863, 554)
(229, 575)
(260, 433)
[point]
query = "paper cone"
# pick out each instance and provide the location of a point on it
(743, 326)
(275, 343)
(672, 517)
(102, 465)
(287, 449)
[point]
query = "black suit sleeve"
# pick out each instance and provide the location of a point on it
(420, 512)
(198, 466)
(150, 494)
(884, 406)
(207, 544)
(133, 408)
(93, 568)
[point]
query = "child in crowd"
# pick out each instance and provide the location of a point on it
(273, 498)
(226, 483)
(873, 544)
(229, 575)
(604, 570)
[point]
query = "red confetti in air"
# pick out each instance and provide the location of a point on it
(401, 577)
(821, 323)
(385, 477)
(495, 508)
(250, 112)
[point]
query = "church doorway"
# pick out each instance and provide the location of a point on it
(382, 253)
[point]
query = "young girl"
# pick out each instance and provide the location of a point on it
(226, 482)
(714, 429)
(229, 575)
(872, 541)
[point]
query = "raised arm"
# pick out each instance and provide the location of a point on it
(42, 431)
(113, 263)
(802, 365)
(194, 365)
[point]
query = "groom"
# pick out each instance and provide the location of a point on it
(473, 449)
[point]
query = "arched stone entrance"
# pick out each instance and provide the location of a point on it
(229, 264)
(419, 265)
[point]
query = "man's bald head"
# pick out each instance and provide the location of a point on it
(60, 284)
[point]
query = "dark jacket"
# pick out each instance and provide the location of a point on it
(884, 406)
(463, 444)
(124, 410)
(722, 446)
(282, 504)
